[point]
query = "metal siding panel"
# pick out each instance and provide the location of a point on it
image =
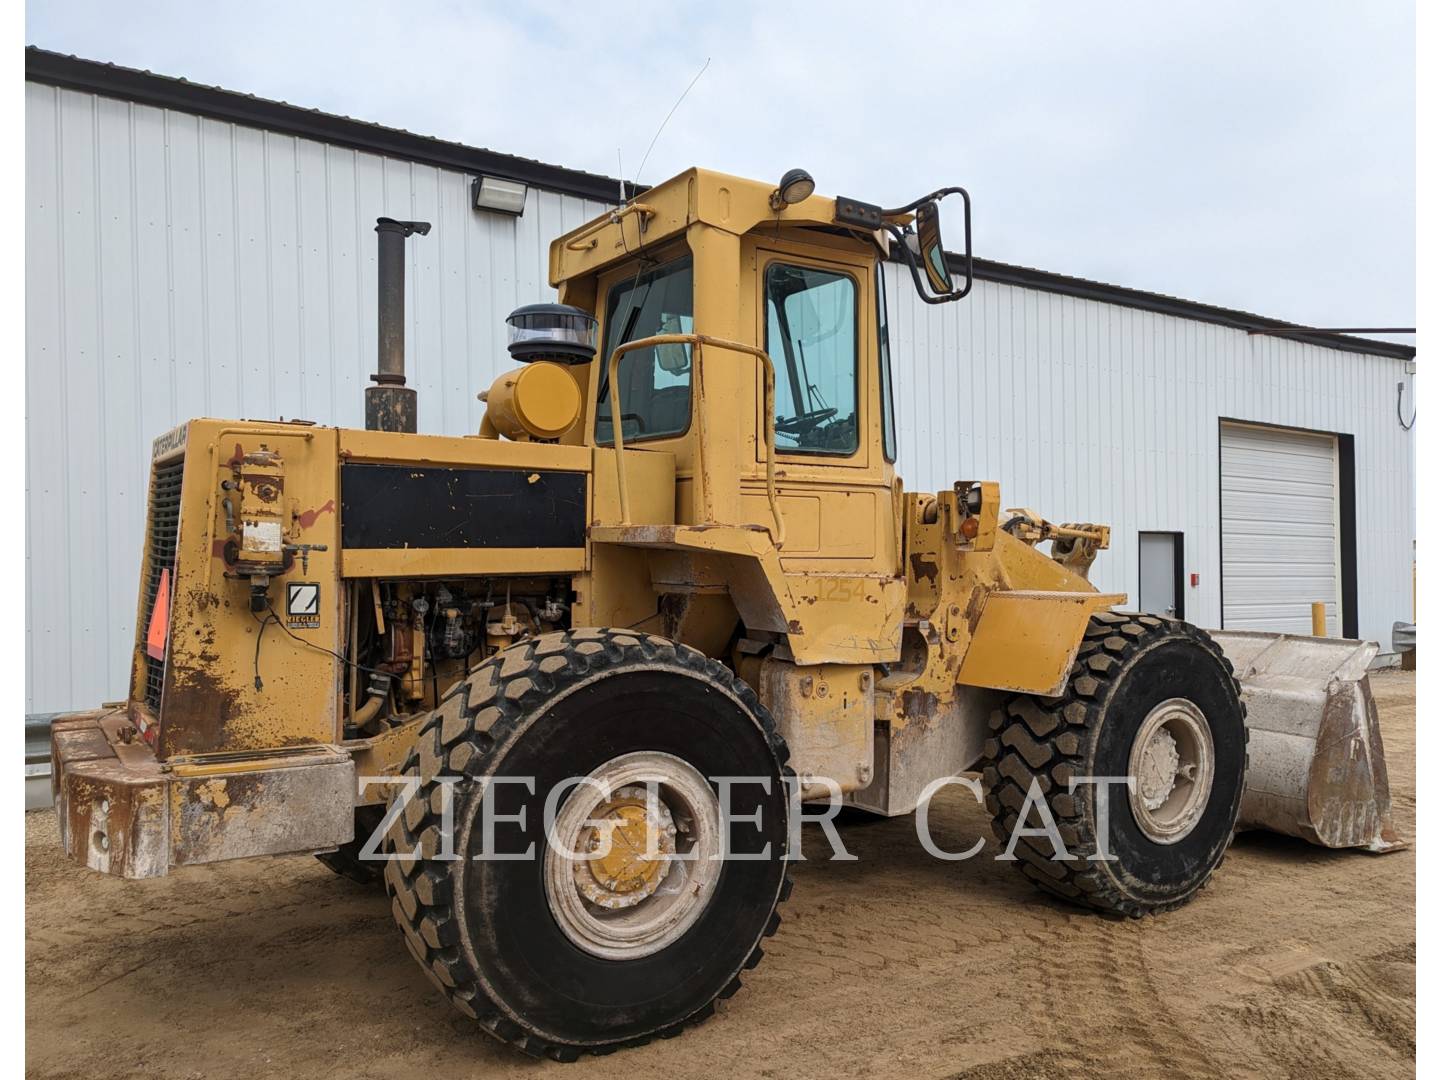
(254, 333)
(345, 247)
(424, 340)
(371, 202)
(189, 274)
(313, 237)
(120, 478)
(81, 362)
(218, 223)
(287, 298)
(179, 267)
(46, 582)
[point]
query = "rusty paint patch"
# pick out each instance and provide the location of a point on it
(307, 518)
(974, 608)
(672, 611)
(204, 601)
(263, 486)
(921, 567)
(198, 707)
(919, 705)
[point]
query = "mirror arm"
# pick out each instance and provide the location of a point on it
(909, 256)
(934, 196)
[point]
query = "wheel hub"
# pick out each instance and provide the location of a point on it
(1159, 769)
(1172, 764)
(632, 842)
(634, 855)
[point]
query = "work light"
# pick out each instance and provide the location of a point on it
(795, 185)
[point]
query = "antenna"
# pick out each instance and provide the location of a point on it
(634, 183)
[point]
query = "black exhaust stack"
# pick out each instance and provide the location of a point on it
(390, 406)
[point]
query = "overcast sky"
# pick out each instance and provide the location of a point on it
(1254, 155)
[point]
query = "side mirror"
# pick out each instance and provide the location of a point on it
(923, 247)
(932, 248)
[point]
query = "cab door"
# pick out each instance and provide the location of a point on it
(815, 314)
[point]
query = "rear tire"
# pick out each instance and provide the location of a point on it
(514, 943)
(1147, 697)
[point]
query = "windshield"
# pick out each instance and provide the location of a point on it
(654, 382)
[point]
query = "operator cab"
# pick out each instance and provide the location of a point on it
(811, 314)
(745, 326)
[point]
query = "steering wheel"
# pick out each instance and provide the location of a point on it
(805, 422)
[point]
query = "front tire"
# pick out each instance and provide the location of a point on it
(1149, 698)
(561, 957)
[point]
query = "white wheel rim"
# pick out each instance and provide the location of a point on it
(1172, 763)
(634, 906)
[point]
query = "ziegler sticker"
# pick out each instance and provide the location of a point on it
(302, 604)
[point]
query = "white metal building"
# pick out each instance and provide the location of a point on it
(191, 251)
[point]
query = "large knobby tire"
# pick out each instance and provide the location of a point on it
(346, 861)
(499, 937)
(1133, 675)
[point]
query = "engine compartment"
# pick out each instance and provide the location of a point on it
(410, 640)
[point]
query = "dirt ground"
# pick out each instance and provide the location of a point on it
(1293, 962)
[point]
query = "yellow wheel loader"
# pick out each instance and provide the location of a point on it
(566, 685)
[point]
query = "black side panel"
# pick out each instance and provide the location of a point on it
(1349, 569)
(391, 506)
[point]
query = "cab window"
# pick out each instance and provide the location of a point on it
(654, 382)
(810, 334)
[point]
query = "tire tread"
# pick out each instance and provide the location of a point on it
(494, 702)
(1047, 740)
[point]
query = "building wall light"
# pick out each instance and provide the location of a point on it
(502, 196)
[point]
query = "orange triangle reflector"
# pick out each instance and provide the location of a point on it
(159, 619)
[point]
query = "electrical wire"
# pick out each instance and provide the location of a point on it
(275, 617)
(1399, 415)
(259, 684)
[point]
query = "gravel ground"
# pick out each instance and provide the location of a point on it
(1293, 962)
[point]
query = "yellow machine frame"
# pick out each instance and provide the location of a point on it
(872, 621)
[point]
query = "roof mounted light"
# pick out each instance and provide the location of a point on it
(795, 186)
(495, 193)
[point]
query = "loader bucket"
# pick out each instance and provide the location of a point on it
(1317, 765)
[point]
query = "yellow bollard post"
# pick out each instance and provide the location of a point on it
(1317, 618)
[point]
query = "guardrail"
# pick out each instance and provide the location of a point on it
(696, 343)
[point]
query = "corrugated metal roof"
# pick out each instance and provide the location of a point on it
(1087, 289)
(218, 103)
(164, 91)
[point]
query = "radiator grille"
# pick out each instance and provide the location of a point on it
(163, 527)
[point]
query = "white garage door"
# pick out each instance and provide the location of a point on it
(1280, 538)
